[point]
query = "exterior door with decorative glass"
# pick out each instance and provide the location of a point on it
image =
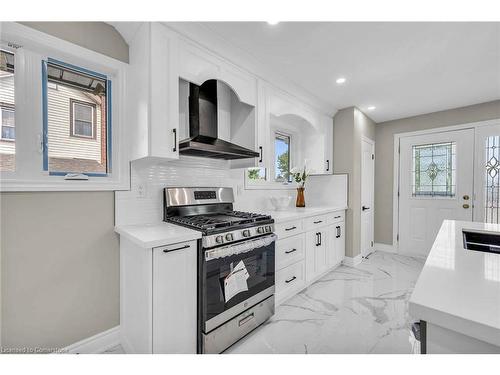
(487, 174)
(436, 184)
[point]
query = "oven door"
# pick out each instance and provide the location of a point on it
(219, 304)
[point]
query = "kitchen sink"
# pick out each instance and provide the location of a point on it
(482, 241)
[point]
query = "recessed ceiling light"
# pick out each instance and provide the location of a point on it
(273, 22)
(371, 108)
(340, 81)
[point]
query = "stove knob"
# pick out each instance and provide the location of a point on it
(229, 237)
(260, 230)
(219, 239)
(246, 233)
(268, 228)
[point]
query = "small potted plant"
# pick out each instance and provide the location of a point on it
(300, 176)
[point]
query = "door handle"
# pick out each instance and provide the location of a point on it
(246, 319)
(317, 222)
(289, 281)
(466, 206)
(174, 131)
(365, 208)
(291, 228)
(290, 251)
(177, 248)
(261, 154)
(338, 232)
(466, 197)
(317, 238)
(327, 165)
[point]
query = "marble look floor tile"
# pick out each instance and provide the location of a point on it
(362, 309)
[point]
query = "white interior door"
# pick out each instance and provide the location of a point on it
(436, 183)
(487, 174)
(367, 194)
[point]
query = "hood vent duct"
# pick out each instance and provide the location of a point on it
(203, 128)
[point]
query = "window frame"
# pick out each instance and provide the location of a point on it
(93, 124)
(31, 48)
(9, 108)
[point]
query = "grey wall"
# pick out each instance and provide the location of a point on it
(58, 251)
(350, 125)
(384, 151)
(97, 36)
(60, 267)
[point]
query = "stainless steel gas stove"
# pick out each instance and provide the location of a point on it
(235, 263)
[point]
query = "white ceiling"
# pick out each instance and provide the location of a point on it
(404, 69)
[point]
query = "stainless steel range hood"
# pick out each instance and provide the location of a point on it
(203, 133)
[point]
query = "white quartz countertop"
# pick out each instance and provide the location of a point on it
(298, 213)
(459, 289)
(158, 234)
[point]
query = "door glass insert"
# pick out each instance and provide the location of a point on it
(434, 170)
(492, 180)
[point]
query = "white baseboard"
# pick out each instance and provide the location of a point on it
(348, 261)
(95, 344)
(384, 247)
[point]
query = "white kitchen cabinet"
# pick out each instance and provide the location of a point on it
(174, 298)
(158, 291)
(336, 243)
(307, 248)
(316, 251)
(198, 65)
(311, 132)
(153, 93)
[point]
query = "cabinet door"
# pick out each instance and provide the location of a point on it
(321, 263)
(311, 245)
(174, 298)
(331, 251)
(164, 95)
(339, 239)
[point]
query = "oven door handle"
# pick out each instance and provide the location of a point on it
(239, 248)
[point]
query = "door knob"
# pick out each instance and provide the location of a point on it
(465, 206)
(364, 208)
(466, 197)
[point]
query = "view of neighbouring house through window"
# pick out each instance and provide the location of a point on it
(76, 121)
(7, 113)
(282, 157)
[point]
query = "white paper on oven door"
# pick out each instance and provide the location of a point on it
(236, 281)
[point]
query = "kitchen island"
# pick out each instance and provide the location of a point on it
(457, 296)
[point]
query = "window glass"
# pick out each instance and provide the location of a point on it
(282, 157)
(434, 170)
(256, 174)
(76, 121)
(7, 115)
(492, 186)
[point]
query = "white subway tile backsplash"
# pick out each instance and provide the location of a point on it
(144, 202)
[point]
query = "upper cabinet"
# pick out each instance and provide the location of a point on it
(309, 133)
(198, 65)
(153, 93)
(251, 113)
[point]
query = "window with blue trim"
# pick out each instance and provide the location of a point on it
(77, 120)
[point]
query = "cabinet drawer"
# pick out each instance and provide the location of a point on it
(315, 221)
(290, 280)
(336, 217)
(289, 250)
(288, 229)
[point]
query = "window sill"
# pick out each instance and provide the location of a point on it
(59, 184)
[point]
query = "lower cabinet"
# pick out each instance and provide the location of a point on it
(174, 298)
(158, 292)
(336, 244)
(316, 253)
(315, 247)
